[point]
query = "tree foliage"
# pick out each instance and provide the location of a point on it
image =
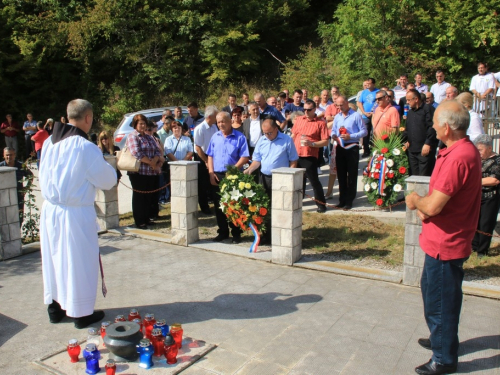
(382, 39)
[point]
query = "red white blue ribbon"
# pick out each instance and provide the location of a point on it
(342, 144)
(256, 241)
(381, 178)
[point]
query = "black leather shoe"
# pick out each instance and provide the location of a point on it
(425, 343)
(340, 205)
(237, 239)
(220, 238)
(56, 313)
(365, 155)
(433, 368)
(321, 210)
(85, 321)
(347, 207)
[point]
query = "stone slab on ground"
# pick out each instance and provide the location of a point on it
(192, 350)
(238, 250)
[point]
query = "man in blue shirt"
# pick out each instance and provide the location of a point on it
(226, 147)
(365, 104)
(348, 128)
(193, 119)
(266, 109)
(274, 150)
(29, 128)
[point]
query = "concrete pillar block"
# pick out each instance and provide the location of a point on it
(12, 214)
(106, 203)
(8, 178)
(286, 215)
(3, 216)
(184, 202)
(5, 197)
(10, 231)
(413, 255)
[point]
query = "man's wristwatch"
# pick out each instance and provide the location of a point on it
(313, 144)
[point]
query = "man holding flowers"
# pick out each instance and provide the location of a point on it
(227, 147)
(274, 150)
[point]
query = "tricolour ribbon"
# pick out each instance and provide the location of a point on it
(256, 240)
(381, 178)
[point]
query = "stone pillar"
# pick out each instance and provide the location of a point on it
(184, 202)
(286, 215)
(10, 230)
(414, 256)
(106, 203)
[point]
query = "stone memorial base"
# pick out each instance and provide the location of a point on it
(192, 350)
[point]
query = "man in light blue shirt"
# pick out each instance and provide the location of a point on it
(226, 147)
(273, 150)
(29, 128)
(202, 135)
(365, 104)
(348, 128)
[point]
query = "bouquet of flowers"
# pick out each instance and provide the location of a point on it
(244, 202)
(384, 177)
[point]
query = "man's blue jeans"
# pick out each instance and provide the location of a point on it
(441, 286)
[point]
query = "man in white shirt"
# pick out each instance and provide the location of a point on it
(202, 135)
(252, 127)
(482, 86)
(439, 88)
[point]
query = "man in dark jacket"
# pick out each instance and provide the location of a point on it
(421, 137)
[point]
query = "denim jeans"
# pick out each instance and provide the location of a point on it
(441, 286)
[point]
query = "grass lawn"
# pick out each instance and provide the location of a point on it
(352, 236)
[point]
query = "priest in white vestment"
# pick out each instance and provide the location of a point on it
(71, 169)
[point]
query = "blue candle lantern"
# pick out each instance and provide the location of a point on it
(160, 323)
(92, 356)
(146, 351)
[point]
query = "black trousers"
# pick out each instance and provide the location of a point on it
(29, 145)
(222, 222)
(311, 165)
(347, 161)
(367, 137)
(487, 222)
(142, 202)
(155, 208)
(422, 165)
(267, 182)
(204, 187)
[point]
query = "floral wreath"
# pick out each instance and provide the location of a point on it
(385, 175)
(243, 201)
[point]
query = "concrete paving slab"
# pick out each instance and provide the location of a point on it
(265, 318)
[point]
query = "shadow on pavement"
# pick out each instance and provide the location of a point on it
(478, 344)
(10, 328)
(230, 306)
(21, 265)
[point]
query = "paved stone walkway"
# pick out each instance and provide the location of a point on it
(265, 318)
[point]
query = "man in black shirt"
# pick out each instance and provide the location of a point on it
(421, 137)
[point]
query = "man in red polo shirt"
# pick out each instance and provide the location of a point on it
(309, 135)
(10, 128)
(449, 215)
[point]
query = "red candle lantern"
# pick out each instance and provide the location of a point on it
(120, 318)
(176, 331)
(171, 349)
(139, 321)
(104, 325)
(134, 314)
(110, 367)
(73, 350)
(157, 340)
(149, 322)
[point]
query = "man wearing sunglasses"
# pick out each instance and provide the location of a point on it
(386, 117)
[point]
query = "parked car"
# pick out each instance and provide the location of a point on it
(125, 126)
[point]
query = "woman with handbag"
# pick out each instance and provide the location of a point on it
(143, 147)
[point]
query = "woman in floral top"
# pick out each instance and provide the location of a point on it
(145, 149)
(490, 199)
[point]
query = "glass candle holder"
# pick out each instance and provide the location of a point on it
(73, 350)
(93, 336)
(120, 318)
(171, 349)
(139, 321)
(104, 325)
(157, 340)
(133, 314)
(160, 323)
(92, 356)
(110, 367)
(149, 322)
(176, 331)
(146, 351)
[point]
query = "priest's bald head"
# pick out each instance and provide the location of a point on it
(80, 114)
